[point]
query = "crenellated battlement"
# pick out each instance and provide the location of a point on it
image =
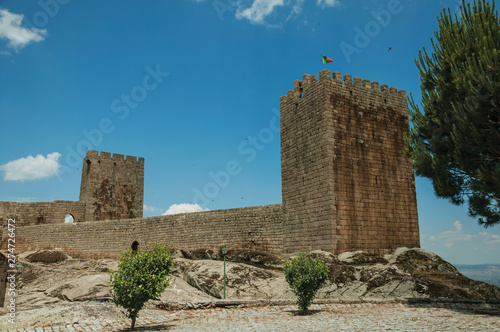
(345, 179)
(360, 91)
(101, 155)
(112, 186)
(347, 186)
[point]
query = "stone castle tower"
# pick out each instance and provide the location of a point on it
(347, 184)
(112, 187)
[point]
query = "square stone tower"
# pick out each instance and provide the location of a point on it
(112, 187)
(347, 183)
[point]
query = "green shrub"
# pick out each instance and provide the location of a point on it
(142, 275)
(305, 275)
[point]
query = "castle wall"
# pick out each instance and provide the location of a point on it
(306, 169)
(4, 266)
(374, 180)
(112, 186)
(41, 212)
(347, 184)
(257, 227)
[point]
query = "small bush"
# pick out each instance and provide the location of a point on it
(305, 275)
(142, 275)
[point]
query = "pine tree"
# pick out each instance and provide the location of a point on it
(455, 142)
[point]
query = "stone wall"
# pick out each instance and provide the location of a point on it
(41, 212)
(112, 186)
(306, 169)
(347, 184)
(257, 227)
(3, 275)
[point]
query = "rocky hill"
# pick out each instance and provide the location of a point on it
(55, 287)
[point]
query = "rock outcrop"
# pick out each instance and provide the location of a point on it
(406, 273)
(50, 277)
(55, 287)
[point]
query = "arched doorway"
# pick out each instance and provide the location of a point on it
(69, 219)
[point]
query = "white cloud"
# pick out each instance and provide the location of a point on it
(18, 36)
(259, 10)
(296, 10)
(461, 247)
(184, 208)
(488, 238)
(31, 168)
(151, 209)
(328, 3)
(457, 234)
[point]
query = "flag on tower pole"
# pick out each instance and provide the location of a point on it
(325, 60)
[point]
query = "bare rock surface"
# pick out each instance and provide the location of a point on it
(243, 281)
(89, 287)
(58, 288)
(47, 256)
(257, 258)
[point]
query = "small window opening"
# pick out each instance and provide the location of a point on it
(88, 166)
(135, 246)
(69, 219)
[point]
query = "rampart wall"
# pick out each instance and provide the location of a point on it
(346, 182)
(41, 212)
(257, 227)
(112, 188)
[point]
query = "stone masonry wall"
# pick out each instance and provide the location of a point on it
(112, 186)
(306, 169)
(3, 274)
(347, 184)
(41, 212)
(257, 227)
(374, 180)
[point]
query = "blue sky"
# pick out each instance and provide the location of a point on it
(189, 85)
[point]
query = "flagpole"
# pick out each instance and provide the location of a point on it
(322, 62)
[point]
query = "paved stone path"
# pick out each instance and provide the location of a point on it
(325, 317)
